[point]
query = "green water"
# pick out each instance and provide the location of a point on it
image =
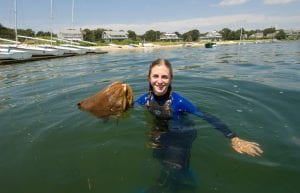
(48, 145)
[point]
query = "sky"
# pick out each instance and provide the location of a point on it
(143, 15)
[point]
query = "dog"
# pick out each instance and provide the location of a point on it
(113, 100)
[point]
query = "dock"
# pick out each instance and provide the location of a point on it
(37, 58)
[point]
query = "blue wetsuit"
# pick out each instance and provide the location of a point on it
(172, 135)
(179, 106)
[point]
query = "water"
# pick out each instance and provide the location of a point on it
(48, 145)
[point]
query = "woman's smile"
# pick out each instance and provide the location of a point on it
(160, 79)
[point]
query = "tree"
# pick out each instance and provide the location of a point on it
(281, 35)
(151, 35)
(88, 35)
(226, 33)
(192, 35)
(41, 33)
(178, 34)
(269, 30)
(240, 33)
(6, 32)
(98, 33)
(93, 35)
(132, 35)
(26, 32)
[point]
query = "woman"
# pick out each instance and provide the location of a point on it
(168, 105)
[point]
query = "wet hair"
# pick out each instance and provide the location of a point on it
(159, 62)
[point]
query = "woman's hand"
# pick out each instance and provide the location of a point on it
(248, 147)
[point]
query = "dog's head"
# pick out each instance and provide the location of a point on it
(110, 101)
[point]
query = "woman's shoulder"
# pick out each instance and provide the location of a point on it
(142, 99)
(183, 103)
(177, 96)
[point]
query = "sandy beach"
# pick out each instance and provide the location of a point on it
(120, 48)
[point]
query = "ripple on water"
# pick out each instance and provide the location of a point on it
(254, 90)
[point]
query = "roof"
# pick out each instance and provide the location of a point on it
(71, 31)
(114, 35)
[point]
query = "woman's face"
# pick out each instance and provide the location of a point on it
(160, 79)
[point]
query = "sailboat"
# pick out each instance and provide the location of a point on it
(6, 53)
(65, 49)
(71, 45)
(11, 54)
(241, 37)
(35, 51)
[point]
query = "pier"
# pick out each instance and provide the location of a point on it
(37, 58)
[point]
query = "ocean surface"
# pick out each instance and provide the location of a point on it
(48, 145)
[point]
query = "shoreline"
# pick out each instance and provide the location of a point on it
(120, 48)
(113, 48)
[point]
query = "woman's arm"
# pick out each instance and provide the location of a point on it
(216, 123)
(239, 145)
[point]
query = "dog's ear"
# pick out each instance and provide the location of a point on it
(113, 100)
(129, 96)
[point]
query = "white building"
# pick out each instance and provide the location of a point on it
(71, 35)
(257, 35)
(292, 33)
(169, 36)
(108, 36)
(214, 36)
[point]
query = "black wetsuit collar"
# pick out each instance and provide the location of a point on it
(162, 99)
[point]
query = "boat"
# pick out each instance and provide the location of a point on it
(11, 54)
(35, 51)
(39, 51)
(65, 50)
(210, 45)
(84, 48)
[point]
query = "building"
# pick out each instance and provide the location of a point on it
(108, 36)
(169, 36)
(293, 34)
(271, 35)
(257, 35)
(71, 35)
(212, 36)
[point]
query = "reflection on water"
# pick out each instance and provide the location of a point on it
(48, 145)
(171, 141)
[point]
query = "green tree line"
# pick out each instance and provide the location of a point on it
(150, 35)
(229, 34)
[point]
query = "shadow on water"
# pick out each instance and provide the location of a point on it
(171, 142)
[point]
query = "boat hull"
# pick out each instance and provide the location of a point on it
(210, 45)
(11, 54)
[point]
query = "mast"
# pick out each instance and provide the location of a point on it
(241, 34)
(15, 14)
(73, 4)
(72, 24)
(51, 20)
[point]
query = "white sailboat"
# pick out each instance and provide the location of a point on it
(72, 46)
(66, 50)
(35, 51)
(6, 53)
(86, 49)
(11, 54)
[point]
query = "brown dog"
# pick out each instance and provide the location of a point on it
(110, 101)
